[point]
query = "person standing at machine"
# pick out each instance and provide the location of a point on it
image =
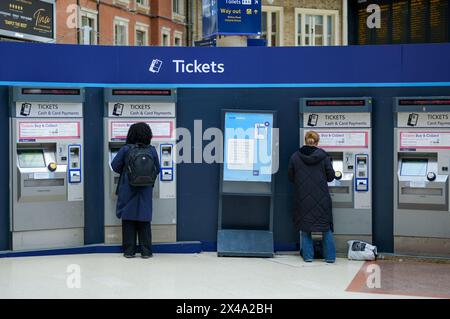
(310, 169)
(138, 165)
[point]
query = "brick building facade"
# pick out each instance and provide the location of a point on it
(122, 22)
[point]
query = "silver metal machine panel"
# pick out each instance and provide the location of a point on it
(421, 198)
(161, 118)
(421, 169)
(47, 205)
(350, 150)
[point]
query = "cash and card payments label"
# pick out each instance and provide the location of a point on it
(336, 120)
(50, 109)
(157, 109)
(423, 119)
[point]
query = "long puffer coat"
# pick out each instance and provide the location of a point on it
(310, 169)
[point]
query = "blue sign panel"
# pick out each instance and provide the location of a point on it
(248, 147)
(100, 66)
(231, 17)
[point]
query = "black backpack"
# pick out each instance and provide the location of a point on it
(140, 166)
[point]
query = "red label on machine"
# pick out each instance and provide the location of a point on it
(425, 140)
(49, 130)
(340, 139)
(160, 129)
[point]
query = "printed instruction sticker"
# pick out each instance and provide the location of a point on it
(160, 129)
(425, 140)
(49, 130)
(344, 139)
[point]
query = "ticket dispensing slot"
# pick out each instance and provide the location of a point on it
(420, 185)
(341, 189)
(166, 154)
(40, 178)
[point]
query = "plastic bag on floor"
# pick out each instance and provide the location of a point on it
(360, 250)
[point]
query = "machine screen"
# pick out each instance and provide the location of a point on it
(31, 158)
(414, 167)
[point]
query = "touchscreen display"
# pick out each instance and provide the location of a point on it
(31, 158)
(414, 167)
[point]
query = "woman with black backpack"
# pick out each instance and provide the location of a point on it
(138, 165)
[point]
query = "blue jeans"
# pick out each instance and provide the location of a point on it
(329, 249)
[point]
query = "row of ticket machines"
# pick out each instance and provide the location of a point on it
(47, 172)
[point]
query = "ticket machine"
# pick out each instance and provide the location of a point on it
(46, 174)
(344, 126)
(421, 169)
(123, 107)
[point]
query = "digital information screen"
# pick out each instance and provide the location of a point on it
(414, 167)
(403, 21)
(248, 147)
(31, 159)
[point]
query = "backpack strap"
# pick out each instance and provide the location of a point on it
(130, 146)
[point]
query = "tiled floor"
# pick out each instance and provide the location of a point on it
(193, 276)
(406, 278)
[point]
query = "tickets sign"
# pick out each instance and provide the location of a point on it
(141, 109)
(422, 119)
(336, 119)
(41, 109)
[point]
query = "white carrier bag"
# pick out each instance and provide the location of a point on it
(360, 250)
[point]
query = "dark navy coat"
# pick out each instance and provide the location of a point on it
(133, 203)
(310, 169)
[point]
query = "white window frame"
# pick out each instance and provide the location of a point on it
(318, 12)
(145, 3)
(143, 28)
(178, 35)
(166, 31)
(124, 2)
(122, 22)
(280, 11)
(90, 14)
(179, 16)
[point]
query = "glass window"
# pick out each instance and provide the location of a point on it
(141, 38)
(316, 29)
(271, 25)
(165, 39)
(177, 6)
(178, 42)
(88, 28)
(330, 40)
(120, 34)
(264, 25)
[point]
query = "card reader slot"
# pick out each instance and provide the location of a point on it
(421, 191)
(43, 182)
(339, 189)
